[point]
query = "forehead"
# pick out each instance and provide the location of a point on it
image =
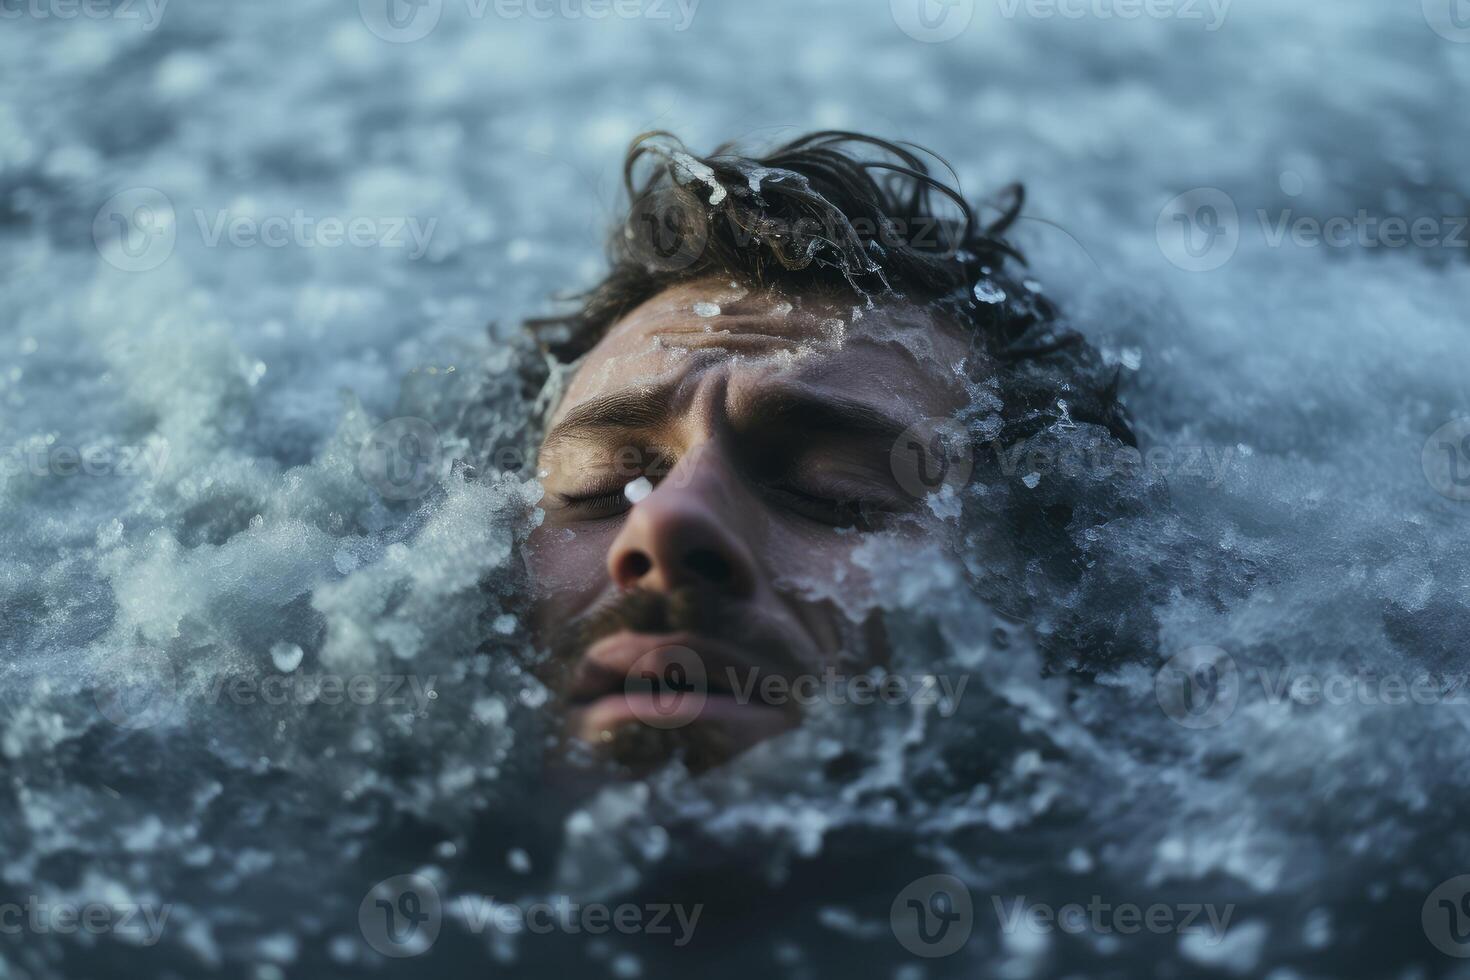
(718, 335)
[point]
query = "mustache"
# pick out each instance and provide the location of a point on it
(684, 609)
(646, 611)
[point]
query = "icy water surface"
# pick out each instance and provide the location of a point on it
(252, 676)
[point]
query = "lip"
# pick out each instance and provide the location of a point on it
(627, 680)
(622, 652)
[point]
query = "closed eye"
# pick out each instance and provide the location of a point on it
(595, 505)
(839, 510)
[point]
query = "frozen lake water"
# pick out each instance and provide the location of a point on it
(243, 685)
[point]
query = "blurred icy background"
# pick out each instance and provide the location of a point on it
(227, 535)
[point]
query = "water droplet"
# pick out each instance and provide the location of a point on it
(638, 489)
(988, 292)
(706, 309)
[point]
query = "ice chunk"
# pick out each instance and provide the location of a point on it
(687, 169)
(286, 657)
(1237, 951)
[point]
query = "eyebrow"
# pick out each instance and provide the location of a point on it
(793, 409)
(803, 411)
(620, 411)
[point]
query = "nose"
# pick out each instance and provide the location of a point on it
(691, 531)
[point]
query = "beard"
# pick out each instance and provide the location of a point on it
(696, 612)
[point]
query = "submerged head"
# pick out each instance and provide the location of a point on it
(773, 380)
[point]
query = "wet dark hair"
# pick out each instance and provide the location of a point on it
(843, 211)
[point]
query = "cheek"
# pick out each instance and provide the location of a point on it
(839, 569)
(826, 577)
(568, 568)
(822, 567)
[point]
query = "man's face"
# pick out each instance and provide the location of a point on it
(713, 467)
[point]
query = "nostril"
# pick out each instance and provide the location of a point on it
(636, 565)
(709, 565)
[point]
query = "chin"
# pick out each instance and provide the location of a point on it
(701, 734)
